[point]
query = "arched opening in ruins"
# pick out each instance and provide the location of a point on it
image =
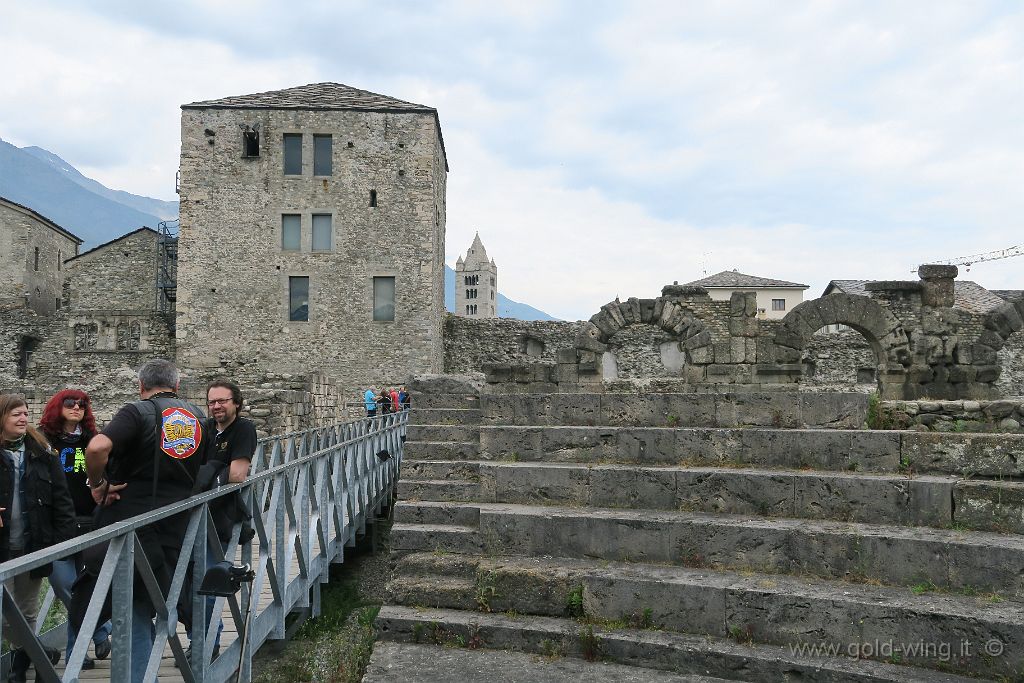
(645, 338)
(860, 320)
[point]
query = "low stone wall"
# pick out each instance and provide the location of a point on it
(951, 416)
(470, 344)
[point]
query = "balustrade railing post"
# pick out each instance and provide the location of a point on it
(122, 597)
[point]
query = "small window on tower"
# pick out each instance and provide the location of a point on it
(292, 154)
(322, 150)
(373, 199)
(37, 259)
(250, 143)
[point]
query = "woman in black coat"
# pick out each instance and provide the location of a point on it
(35, 512)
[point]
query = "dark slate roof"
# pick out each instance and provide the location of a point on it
(732, 279)
(313, 96)
(1008, 294)
(125, 236)
(967, 295)
(323, 97)
(43, 219)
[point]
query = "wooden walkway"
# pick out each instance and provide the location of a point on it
(168, 672)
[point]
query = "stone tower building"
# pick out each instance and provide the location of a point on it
(476, 283)
(312, 235)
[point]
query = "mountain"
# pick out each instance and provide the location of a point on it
(41, 180)
(162, 209)
(49, 185)
(506, 307)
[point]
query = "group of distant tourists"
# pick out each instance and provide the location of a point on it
(386, 401)
(66, 477)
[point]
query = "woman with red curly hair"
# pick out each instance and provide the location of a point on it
(69, 425)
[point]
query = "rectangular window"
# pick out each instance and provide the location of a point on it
(250, 143)
(778, 304)
(37, 258)
(292, 154)
(322, 232)
(373, 199)
(298, 298)
(322, 155)
(383, 298)
(291, 232)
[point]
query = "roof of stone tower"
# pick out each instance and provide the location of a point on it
(477, 254)
(732, 279)
(326, 96)
(322, 97)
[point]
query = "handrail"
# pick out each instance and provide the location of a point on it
(312, 494)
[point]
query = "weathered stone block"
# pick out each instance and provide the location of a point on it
(987, 373)
(982, 354)
(647, 310)
(738, 350)
(785, 354)
(723, 352)
(702, 355)
(566, 356)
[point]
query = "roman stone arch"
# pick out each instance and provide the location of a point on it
(665, 312)
(882, 330)
(1001, 322)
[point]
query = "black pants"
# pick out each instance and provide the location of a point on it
(161, 543)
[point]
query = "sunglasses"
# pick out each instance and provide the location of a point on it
(76, 403)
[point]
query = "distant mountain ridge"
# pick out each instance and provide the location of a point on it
(44, 182)
(52, 187)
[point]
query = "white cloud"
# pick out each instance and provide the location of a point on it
(599, 148)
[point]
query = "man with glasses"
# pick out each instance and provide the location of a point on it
(228, 456)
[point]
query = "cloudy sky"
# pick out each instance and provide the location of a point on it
(601, 149)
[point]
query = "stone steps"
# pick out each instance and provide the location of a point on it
(927, 500)
(441, 450)
(433, 401)
(438, 490)
(660, 650)
(908, 556)
(778, 610)
(987, 455)
(748, 409)
(442, 432)
(393, 662)
(440, 469)
(443, 416)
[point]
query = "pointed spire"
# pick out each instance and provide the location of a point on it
(477, 253)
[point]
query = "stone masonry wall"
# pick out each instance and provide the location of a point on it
(470, 344)
(233, 291)
(20, 235)
(1011, 358)
(952, 416)
(119, 276)
(841, 360)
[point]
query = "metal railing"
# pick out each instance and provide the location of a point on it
(311, 494)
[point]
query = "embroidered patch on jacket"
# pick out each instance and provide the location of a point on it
(181, 433)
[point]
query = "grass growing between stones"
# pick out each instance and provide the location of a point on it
(336, 646)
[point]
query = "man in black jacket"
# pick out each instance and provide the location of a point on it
(146, 457)
(231, 444)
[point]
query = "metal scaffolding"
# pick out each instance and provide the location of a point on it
(167, 269)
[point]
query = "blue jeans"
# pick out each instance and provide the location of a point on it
(143, 636)
(62, 576)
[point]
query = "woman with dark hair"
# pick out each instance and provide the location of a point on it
(69, 424)
(35, 512)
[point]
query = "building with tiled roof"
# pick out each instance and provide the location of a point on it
(774, 297)
(968, 296)
(312, 231)
(32, 253)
